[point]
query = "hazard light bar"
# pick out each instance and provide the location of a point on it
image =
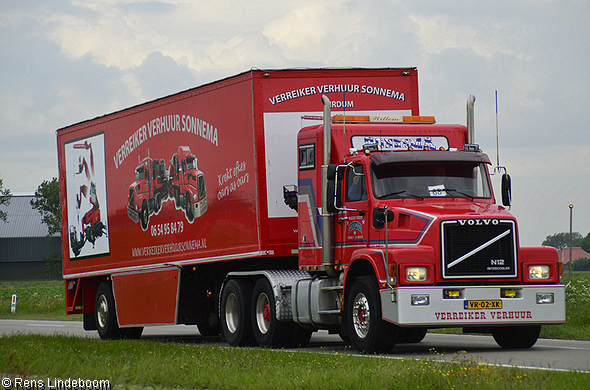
(382, 119)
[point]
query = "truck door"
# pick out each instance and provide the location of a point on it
(351, 227)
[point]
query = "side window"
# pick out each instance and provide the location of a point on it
(306, 156)
(356, 187)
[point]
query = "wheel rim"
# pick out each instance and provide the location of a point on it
(263, 313)
(232, 316)
(103, 312)
(361, 315)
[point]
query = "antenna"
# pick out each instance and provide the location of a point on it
(344, 125)
(497, 143)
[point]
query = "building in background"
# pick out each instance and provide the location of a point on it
(577, 253)
(24, 244)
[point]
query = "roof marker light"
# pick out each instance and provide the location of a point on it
(383, 119)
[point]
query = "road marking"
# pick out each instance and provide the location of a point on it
(47, 325)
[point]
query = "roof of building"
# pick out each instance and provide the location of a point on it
(23, 219)
(577, 252)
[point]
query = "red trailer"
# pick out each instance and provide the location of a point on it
(376, 223)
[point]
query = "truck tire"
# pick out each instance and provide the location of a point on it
(368, 332)
(106, 317)
(188, 208)
(516, 337)
(144, 215)
(268, 330)
(236, 324)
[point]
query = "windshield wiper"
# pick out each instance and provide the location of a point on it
(397, 193)
(471, 196)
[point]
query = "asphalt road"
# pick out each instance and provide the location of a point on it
(545, 354)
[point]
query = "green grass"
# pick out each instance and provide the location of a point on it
(179, 365)
(577, 326)
(36, 299)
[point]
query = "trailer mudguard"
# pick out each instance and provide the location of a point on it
(147, 297)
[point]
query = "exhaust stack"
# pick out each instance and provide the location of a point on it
(470, 120)
(327, 249)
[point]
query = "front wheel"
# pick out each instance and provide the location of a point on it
(367, 330)
(516, 337)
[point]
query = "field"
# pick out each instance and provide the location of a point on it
(139, 363)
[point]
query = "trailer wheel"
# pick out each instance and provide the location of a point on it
(368, 332)
(235, 319)
(144, 216)
(516, 337)
(268, 330)
(106, 317)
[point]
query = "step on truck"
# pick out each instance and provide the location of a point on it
(332, 204)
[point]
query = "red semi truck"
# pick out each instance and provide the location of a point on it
(148, 191)
(372, 222)
(187, 184)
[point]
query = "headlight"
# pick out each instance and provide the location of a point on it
(195, 196)
(416, 274)
(539, 272)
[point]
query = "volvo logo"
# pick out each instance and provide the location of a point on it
(478, 222)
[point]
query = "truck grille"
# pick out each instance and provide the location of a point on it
(478, 248)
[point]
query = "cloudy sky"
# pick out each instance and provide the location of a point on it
(63, 62)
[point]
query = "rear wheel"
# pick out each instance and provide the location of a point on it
(515, 337)
(368, 332)
(268, 330)
(106, 317)
(236, 324)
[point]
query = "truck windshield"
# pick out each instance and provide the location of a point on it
(191, 162)
(139, 172)
(430, 180)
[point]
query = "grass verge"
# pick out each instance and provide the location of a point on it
(197, 366)
(36, 299)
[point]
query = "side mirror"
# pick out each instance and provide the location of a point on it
(379, 217)
(334, 190)
(506, 190)
(290, 196)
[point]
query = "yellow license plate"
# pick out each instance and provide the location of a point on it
(478, 305)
